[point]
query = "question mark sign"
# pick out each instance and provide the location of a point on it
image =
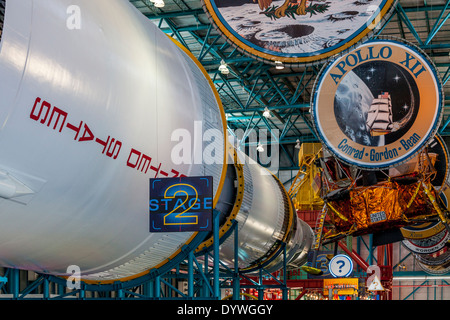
(341, 266)
(341, 263)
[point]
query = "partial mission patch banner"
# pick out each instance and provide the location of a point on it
(296, 32)
(378, 105)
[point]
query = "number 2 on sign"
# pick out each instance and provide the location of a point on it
(180, 218)
(377, 274)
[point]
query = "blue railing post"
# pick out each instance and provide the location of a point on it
(236, 280)
(191, 274)
(14, 274)
(216, 255)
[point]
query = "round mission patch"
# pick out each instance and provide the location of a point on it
(377, 105)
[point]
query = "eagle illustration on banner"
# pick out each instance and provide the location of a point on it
(296, 32)
(290, 8)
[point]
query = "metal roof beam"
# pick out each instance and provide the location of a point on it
(252, 94)
(192, 12)
(404, 17)
(177, 31)
(186, 29)
(446, 76)
(234, 96)
(247, 132)
(438, 25)
(288, 106)
(290, 124)
(425, 8)
(204, 43)
(290, 140)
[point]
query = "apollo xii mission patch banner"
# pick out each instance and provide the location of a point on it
(296, 32)
(378, 105)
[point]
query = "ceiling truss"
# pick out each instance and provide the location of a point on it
(252, 85)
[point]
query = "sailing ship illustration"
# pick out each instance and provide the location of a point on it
(379, 118)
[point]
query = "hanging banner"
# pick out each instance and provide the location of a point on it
(437, 263)
(295, 32)
(428, 245)
(378, 105)
(435, 270)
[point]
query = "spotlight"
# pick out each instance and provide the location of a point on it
(260, 148)
(279, 65)
(223, 68)
(266, 113)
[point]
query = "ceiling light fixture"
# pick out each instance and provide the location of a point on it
(223, 68)
(260, 148)
(159, 3)
(266, 113)
(279, 65)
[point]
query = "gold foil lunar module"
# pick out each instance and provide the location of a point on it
(404, 197)
(382, 206)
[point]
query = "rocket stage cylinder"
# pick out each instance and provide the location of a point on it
(95, 101)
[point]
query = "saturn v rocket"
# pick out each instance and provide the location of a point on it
(89, 111)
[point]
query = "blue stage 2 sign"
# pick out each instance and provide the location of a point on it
(181, 204)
